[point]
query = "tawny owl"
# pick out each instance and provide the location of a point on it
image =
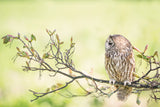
(120, 63)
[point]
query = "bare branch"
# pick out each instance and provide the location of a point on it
(62, 59)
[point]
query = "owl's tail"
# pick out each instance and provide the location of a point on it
(123, 93)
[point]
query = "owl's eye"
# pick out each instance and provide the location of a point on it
(110, 43)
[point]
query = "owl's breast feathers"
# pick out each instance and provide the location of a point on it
(120, 67)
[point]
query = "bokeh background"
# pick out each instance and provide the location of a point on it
(89, 22)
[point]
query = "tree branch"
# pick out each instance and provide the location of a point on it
(63, 65)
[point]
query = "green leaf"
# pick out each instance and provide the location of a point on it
(33, 37)
(32, 50)
(57, 37)
(138, 102)
(143, 57)
(47, 90)
(155, 53)
(53, 87)
(23, 54)
(73, 44)
(139, 56)
(61, 43)
(25, 46)
(46, 55)
(6, 39)
(59, 85)
(18, 49)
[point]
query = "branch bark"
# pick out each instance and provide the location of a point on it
(63, 61)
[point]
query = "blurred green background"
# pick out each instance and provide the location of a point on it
(89, 22)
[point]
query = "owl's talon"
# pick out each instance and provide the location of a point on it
(112, 81)
(127, 82)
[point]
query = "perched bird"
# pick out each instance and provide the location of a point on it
(120, 63)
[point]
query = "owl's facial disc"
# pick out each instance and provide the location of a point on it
(109, 44)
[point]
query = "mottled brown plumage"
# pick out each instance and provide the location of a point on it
(120, 63)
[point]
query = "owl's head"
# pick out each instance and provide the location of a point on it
(118, 43)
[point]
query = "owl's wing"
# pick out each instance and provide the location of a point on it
(131, 65)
